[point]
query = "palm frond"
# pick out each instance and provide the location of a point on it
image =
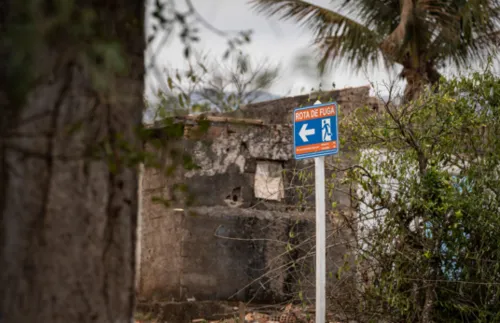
(462, 53)
(474, 34)
(418, 34)
(337, 35)
(381, 15)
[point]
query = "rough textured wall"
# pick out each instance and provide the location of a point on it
(228, 162)
(279, 111)
(161, 231)
(68, 196)
(229, 223)
(226, 241)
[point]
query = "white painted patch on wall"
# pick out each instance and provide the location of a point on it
(268, 182)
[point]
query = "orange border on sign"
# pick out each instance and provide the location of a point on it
(316, 113)
(314, 148)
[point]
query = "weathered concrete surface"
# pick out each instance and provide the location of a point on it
(220, 253)
(229, 162)
(279, 111)
(211, 232)
(223, 253)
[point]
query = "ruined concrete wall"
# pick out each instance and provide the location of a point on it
(229, 162)
(227, 241)
(228, 231)
(229, 253)
(280, 111)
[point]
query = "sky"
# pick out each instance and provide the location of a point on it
(274, 41)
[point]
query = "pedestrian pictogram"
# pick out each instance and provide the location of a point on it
(326, 130)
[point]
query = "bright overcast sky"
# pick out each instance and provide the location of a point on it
(275, 40)
(272, 39)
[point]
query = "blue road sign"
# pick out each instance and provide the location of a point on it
(315, 131)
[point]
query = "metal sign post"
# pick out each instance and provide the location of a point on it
(316, 135)
(319, 178)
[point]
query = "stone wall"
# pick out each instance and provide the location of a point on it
(279, 111)
(240, 225)
(220, 253)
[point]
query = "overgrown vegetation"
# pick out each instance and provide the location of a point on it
(211, 85)
(429, 205)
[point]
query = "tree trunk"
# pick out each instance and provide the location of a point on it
(414, 86)
(68, 207)
(429, 303)
(418, 79)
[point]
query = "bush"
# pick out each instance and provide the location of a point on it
(429, 201)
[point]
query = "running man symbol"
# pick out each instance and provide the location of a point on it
(326, 130)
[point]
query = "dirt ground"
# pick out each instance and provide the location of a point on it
(224, 312)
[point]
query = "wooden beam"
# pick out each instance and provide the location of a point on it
(226, 119)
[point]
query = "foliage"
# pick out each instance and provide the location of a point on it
(429, 204)
(212, 85)
(422, 36)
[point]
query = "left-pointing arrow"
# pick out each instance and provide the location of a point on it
(304, 132)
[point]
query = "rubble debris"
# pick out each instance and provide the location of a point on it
(289, 314)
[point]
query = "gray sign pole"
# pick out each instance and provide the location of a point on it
(319, 179)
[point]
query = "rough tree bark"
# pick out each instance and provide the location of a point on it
(418, 77)
(68, 207)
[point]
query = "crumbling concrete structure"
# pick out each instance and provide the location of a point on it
(229, 214)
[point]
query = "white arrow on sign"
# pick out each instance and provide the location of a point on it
(304, 132)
